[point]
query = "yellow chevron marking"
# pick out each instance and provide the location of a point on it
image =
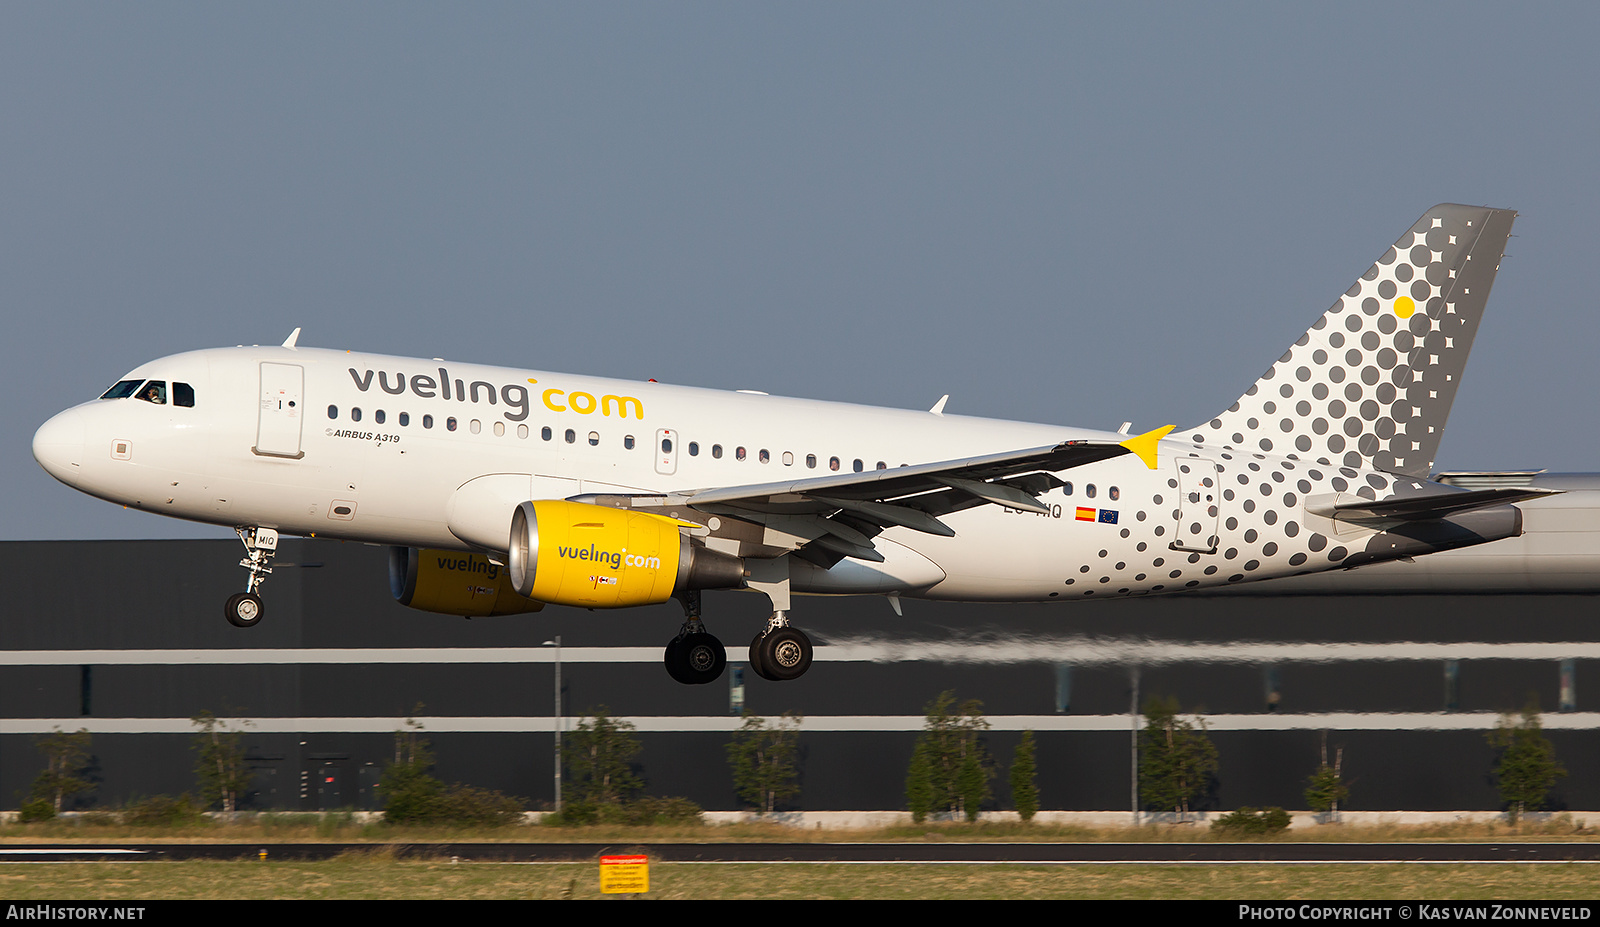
(1145, 445)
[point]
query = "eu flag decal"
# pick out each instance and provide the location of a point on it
(1108, 516)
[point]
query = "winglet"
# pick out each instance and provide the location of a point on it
(1145, 445)
(293, 337)
(938, 407)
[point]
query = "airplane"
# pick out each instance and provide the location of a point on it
(502, 490)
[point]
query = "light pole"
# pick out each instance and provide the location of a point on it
(1133, 742)
(557, 713)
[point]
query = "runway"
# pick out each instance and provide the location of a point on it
(842, 853)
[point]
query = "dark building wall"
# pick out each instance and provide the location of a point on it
(167, 595)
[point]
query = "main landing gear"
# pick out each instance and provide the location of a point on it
(694, 657)
(245, 609)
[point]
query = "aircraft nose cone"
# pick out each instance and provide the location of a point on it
(58, 446)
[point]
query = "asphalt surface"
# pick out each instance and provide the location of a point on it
(857, 853)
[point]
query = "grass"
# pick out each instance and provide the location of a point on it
(378, 875)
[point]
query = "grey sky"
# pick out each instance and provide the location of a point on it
(1072, 213)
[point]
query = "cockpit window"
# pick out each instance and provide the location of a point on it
(154, 391)
(122, 390)
(183, 395)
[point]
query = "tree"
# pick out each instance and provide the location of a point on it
(1024, 788)
(65, 756)
(919, 783)
(1326, 789)
(763, 760)
(1528, 768)
(949, 771)
(220, 764)
(1177, 761)
(412, 795)
(410, 792)
(600, 759)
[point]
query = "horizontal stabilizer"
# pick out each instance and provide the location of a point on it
(1420, 508)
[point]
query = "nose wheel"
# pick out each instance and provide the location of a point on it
(244, 610)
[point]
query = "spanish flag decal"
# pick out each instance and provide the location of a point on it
(1085, 514)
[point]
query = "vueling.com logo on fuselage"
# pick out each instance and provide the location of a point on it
(616, 560)
(513, 395)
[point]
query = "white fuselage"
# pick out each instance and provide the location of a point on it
(327, 473)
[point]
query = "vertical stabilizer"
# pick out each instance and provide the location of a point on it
(1371, 383)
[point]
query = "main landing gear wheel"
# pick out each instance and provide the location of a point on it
(780, 654)
(695, 659)
(244, 610)
(755, 657)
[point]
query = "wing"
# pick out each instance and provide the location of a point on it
(831, 517)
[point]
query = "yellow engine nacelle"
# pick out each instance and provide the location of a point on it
(452, 583)
(592, 556)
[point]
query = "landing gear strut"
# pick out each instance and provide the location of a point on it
(694, 657)
(781, 652)
(245, 609)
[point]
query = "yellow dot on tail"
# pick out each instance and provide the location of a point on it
(1404, 307)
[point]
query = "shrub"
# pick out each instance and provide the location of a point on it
(430, 802)
(164, 811)
(641, 812)
(1248, 822)
(37, 809)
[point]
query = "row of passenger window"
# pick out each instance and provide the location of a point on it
(379, 417)
(630, 443)
(765, 456)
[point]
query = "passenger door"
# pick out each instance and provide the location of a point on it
(282, 411)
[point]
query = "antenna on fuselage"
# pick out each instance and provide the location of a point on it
(293, 337)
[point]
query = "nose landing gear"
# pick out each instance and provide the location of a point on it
(245, 609)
